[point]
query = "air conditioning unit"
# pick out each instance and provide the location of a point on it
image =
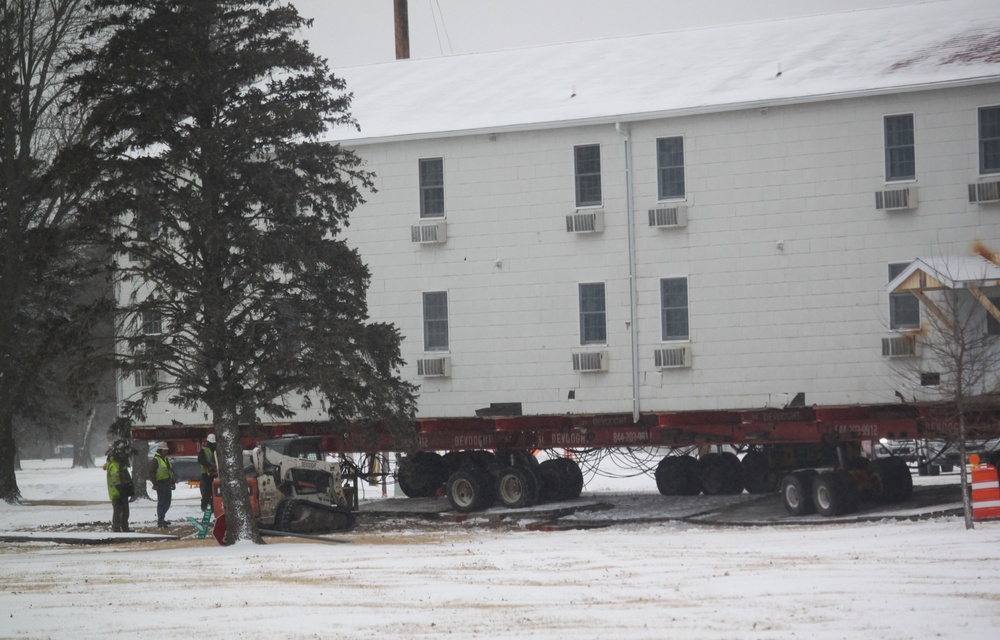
(984, 192)
(667, 217)
(896, 199)
(899, 347)
(672, 357)
(591, 222)
(590, 361)
(429, 233)
(434, 367)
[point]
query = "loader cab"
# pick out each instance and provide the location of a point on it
(302, 447)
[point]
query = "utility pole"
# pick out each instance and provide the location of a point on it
(402, 22)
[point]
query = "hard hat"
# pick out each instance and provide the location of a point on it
(163, 446)
(211, 438)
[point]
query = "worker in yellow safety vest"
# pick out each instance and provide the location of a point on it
(209, 471)
(161, 474)
(120, 488)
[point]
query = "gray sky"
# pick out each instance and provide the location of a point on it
(356, 32)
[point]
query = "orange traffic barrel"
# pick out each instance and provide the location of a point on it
(985, 490)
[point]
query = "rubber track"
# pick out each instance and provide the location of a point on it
(313, 518)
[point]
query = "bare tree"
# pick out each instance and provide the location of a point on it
(958, 343)
(46, 262)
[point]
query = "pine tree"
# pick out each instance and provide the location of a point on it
(241, 298)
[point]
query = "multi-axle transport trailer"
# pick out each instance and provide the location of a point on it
(820, 458)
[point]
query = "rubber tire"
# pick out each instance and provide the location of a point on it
(757, 474)
(796, 492)
(516, 458)
(558, 479)
(713, 474)
(675, 476)
(732, 471)
(517, 487)
(885, 486)
(470, 489)
(573, 476)
(834, 493)
(421, 474)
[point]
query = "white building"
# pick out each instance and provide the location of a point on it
(691, 220)
(762, 182)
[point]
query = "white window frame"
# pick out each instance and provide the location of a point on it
(660, 169)
(578, 176)
(992, 141)
(427, 319)
(430, 188)
(893, 270)
(664, 309)
(892, 147)
(585, 314)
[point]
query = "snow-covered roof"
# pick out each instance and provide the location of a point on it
(955, 272)
(884, 50)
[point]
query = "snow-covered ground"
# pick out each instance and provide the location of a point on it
(885, 580)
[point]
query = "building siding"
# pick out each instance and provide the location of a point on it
(765, 323)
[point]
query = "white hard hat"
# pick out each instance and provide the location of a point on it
(162, 446)
(211, 437)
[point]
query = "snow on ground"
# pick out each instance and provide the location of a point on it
(885, 580)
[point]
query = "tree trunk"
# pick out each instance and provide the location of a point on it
(9, 492)
(963, 468)
(240, 522)
(140, 469)
(81, 446)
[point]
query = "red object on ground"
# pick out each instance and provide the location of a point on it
(219, 530)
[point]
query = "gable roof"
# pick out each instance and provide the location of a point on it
(792, 60)
(938, 273)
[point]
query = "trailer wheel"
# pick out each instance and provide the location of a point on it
(517, 487)
(890, 480)
(421, 474)
(757, 474)
(904, 479)
(732, 474)
(676, 476)
(796, 492)
(470, 489)
(717, 475)
(574, 479)
(516, 458)
(835, 493)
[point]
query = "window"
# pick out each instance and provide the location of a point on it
(904, 308)
(432, 188)
(670, 167)
(152, 323)
(674, 308)
(989, 140)
(145, 378)
(436, 321)
(146, 223)
(900, 162)
(992, 325)
(593, 314)
(588, 175)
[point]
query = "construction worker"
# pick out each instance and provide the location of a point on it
(161, 474)
(120, 488)
(209, 471)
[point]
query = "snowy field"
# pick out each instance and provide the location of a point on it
(884, 580)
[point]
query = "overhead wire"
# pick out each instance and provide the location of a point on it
(444, 27)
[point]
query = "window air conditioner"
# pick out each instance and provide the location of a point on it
(665, 218)
(434, 367)
(590, 361)
(429, 233)
(591, 222)
(896, 199)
